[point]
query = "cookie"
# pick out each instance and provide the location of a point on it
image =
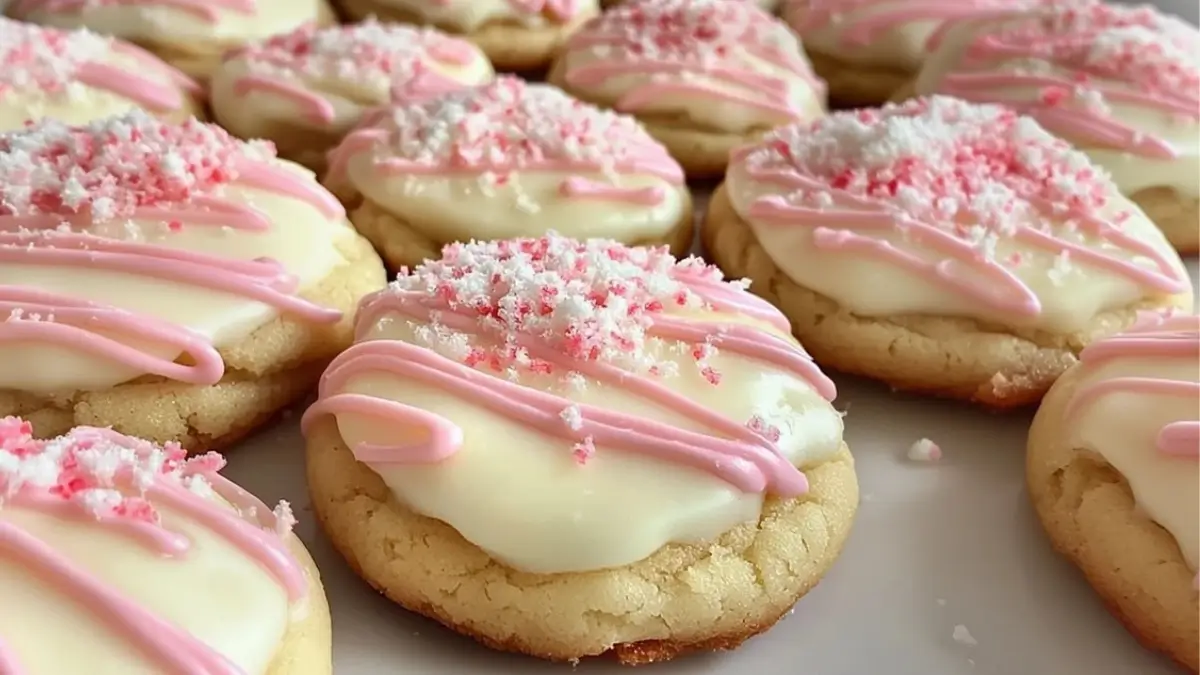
(570, 449)
(191, 35)
(517, 35)
(148, 562)
(508, 159)
(703, 76)
(78, 76)
(167, 280)
(866, 50)
(940, 246)
(769, 5)
(1121, 83)
(1114, 475)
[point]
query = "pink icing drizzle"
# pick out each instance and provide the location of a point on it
(208, 10)
(670, 43)
(38, 229)
(880, 16)
(98, 477)
(949, 176)
(608, 347)
(561, 10)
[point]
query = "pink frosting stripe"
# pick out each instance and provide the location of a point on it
(314, 106)
(810, 16)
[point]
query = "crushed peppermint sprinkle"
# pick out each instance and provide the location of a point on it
(924, 450)
(940, 161)
(592, 301)
(111, 167)
(33, 57)
(509, 124)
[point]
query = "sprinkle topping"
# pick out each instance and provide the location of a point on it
(32, 57)
(111, 167)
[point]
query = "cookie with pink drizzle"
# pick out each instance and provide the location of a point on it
(1120, 83)
(191, 35)
(516, 35)
(507, 159)
(149, 562)
(1114, 473)
(704, 76)
(78, 76)
(167, 280)
(868, 49)
(940, 246)
(306, 89)
(626, 444)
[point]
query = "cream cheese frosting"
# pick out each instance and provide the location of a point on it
(1136, 403)
(947, 208)
(512, 159)
(465, 16)
(1120, 83)
(328, 78)
(148, 562)
(571, 406)
(78, 76)
(724, 65)
(132, 247)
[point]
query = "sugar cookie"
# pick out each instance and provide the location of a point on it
(306, 89)
(1121, 83)
(146, 562)
(166, 280)
(866, 50)
(940, 246)
(704, 76)
(191, 35)
(78, 76)
(516, 35)
(508, 159)
(1114, 475)
(568, 449)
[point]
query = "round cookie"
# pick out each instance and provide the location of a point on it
(78, 76)
(570, 449)
(166, 280)
(508, 159)
(304, 90)
(703, 76)
(1114, 476)
(866, 50)
(517, 35)
(940, 246)
(148, 562)
(1121, 83)
(191, 35)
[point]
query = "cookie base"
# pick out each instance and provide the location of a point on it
(858, 86)
(307, 647)
(1178, 216)
(684, 598)
(1092, 519)
(990, 365)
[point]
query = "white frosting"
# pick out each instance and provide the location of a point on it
(465, 16)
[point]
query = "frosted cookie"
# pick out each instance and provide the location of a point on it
(306, 89)
(569, 449)
(1114, 475)
(1120, 83)
(866, 50)
(189, 34)
(508, 159)
(147, 562)
(515, 34)
(769, 5)
(940, 246)
(166, 280)
(703, 76)
(78, 76)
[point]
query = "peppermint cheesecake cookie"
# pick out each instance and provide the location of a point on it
(569, 449)
(940, 246)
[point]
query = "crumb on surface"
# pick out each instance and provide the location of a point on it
(924, 450)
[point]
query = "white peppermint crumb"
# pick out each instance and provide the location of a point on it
(924, 450)
(963, 636)
(573, 417)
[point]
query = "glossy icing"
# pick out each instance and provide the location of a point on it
(512, 159)
(640, 400)
(1121, 83)
(129, 243)
(948, 208)
(149, 562)
(78, 76)
(724, 65)
(464, 16)
(1137, 403)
